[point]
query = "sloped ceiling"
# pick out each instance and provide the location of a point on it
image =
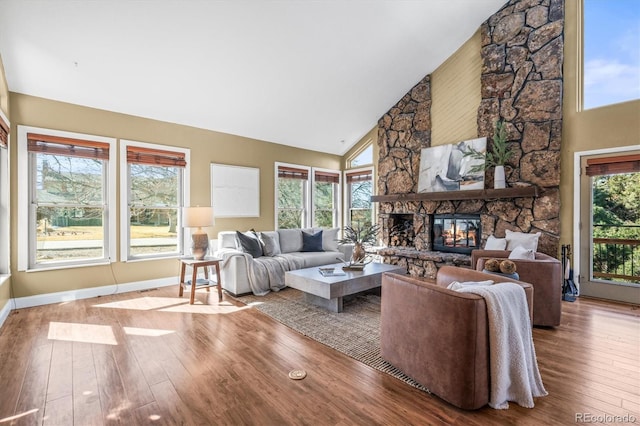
(311, 74)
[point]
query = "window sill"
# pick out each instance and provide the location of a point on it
(58, 267)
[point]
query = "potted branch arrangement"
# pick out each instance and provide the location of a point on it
(360, 236)
(497, 158)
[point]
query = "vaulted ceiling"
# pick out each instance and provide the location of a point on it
(313, 74)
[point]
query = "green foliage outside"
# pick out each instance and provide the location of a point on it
(616, 215)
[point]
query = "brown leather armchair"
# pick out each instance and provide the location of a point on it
(440, 337)
(544, 273)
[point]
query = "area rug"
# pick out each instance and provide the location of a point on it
(354, 332)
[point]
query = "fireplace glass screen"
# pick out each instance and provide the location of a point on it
(456, 233)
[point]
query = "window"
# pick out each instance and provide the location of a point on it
(153, 190)
(326, 193)
(65, 185)
(292, 195)
(363, 157)
(358, 192)
(615, 220)
(611, 60)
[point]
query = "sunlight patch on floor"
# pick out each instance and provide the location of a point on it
(174, 304)
(147, 303)
(85, 333)
(200, 308)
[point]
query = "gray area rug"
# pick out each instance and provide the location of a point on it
(354, 332)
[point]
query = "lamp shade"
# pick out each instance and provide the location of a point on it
(196, 217)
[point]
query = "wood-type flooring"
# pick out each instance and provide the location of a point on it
(151, 358)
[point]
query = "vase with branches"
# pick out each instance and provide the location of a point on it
(496, 158)
(360, 235)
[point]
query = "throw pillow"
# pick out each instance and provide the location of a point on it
(507, 267)
(522, 253)
(330, 239)
(248, 243)
(270, 244)
(494, 243)
(492, 265)
(528, 241)
(312, 242)
(455, 286)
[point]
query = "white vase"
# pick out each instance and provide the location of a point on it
(498, 178)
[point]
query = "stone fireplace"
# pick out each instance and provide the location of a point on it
(521, 83)
(399, 230)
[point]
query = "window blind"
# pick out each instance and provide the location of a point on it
(292, 173)
(320, 176)
(613, 165)
(53, 145)
(155, 157)
(361, 176)
(4, 133)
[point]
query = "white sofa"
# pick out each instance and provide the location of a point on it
(234, 269)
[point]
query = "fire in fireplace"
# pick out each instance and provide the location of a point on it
(456, 233)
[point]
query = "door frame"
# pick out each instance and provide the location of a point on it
(577, 159)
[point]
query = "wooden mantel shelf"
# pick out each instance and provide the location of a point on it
(476, 194)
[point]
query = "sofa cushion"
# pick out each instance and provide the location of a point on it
(317, 258)
(494, 243)
(520, 252)
(329, 238)
(290, 240)
(528, 241)
(270, 243)
(248, 242)
(312, 242)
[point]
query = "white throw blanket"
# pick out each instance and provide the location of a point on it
(513, 365)
(264, 273)
(267, 273)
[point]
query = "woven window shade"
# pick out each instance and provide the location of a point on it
(4, 133)
(327, 177)
(55, 145)
(155, 157)
(361, 176)
(292, 173)
(613, 165)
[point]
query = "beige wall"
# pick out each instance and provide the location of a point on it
(5, 282)
(206, 147)
(606, 127)
(455, 95)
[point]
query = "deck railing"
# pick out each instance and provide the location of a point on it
(617, 259)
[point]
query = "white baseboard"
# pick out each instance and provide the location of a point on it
(86, 293)
(4, 313)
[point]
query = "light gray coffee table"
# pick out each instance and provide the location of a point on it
(327, 292)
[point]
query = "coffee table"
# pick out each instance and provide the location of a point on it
(328, 291)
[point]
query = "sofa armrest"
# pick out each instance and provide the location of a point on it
(234, 270)
(495, 254)
(346, 250)
(438, 337)
(447, 274)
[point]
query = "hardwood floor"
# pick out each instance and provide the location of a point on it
(150, 357)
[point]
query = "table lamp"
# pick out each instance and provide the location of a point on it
(197, 217)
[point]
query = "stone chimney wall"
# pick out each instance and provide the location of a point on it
(521, 83)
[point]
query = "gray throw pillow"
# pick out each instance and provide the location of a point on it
(248, 243)
(270, 244)
(312, 242)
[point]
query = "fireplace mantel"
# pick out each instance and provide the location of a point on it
(478, 194)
